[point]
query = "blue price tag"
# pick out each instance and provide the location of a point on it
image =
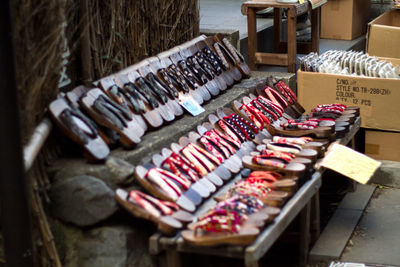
(191, 106)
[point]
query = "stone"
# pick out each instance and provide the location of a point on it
(111, 245)
(105, 246)
(116, 246)
(82, 200)
(66, 237)
(121, 171)
(388, 174)
(65, 168)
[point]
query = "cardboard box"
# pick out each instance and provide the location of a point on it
(382, 145)
(344, 19)
(383, 36)
(378, 98)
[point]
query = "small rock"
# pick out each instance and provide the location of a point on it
(114, 246)
(121, 170)
(105, 246)
(82, 200)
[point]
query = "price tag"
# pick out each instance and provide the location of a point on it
(301, 1)
(350, 163)
(190, 105)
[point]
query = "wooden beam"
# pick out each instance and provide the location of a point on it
(252, 37)
(271, 59)
(15, 217)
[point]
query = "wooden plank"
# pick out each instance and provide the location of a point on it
(304, 242)
(272, 3)
(315, 218)
(271, 59)
(173, 258)
(235, 252)
(154, 244)
(315, 28)
(252, 37)
(304, 48)
(277, 28)
(268, 237)
(291, 37)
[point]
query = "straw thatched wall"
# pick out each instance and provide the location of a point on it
(61, 43)
(120, 33)
(123, 32)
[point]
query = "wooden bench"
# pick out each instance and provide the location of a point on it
(284, 53)
(305, 203)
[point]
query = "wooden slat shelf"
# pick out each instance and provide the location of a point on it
(300, 203)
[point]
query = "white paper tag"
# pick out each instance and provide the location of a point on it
(350, 163)
(191, 105)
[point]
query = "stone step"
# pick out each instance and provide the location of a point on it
(388, 174)
(336, 234)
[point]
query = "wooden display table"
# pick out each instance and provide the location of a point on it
(305, 202)
(284, 55)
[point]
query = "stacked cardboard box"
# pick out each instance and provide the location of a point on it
(378, 99)
(344, 19)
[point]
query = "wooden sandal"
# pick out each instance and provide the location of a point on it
(226, 58)
(152, 209)
(208, 55)
(214, 149)
(140, 108)
(123, 98)
(156, 82)
(153, 104)
(212, 177)
(209, 50)
(287, 93)
(208, 160)
(179, 78)
(108, 114)
(298, 150)
(166, 189)
(177, 84)
(221, 226)
(175, 166)
(79, 129)
(239, 59)
(194, 82)
(290, 169)
(207, 130)
(201, 70)
(189, 168)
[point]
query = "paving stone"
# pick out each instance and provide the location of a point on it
(358, 200)
(82, 200)
(376, 239)
(388, 174)
(334, 238)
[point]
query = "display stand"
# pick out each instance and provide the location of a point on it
(304, 202)
(284, 54)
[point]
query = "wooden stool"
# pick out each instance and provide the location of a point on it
(285, 55)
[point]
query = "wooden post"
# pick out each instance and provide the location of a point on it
(15, 218)
(277, 29)
(291, 36)
(315, 218)
(86, 57)
(304, 243)
(252, 36)
(315, 29)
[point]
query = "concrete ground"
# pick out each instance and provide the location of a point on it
(225, 16)
(376, 238)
